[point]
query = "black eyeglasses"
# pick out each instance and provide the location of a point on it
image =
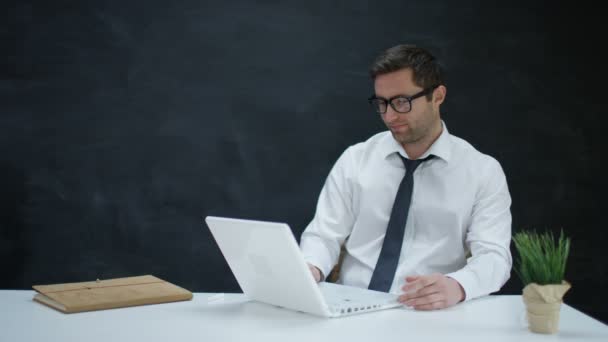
(400, 103)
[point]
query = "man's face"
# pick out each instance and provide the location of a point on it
(415, 125)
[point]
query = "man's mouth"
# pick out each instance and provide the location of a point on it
(397, 126)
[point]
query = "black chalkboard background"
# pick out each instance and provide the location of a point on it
(123, 124)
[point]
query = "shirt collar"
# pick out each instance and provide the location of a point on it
(441, 148)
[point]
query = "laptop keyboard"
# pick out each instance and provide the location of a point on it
(346, 300)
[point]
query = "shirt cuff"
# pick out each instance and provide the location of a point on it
(466, 279)
(318, 257)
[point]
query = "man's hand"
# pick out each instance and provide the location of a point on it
(315, 272)
(431, 292)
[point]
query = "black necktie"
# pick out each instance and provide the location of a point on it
(383, 275)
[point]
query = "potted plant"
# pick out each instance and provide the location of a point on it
(541, 266)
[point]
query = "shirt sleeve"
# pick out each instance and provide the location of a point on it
(488, 237)
(323, 237)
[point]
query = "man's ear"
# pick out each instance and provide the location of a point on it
(439, 95)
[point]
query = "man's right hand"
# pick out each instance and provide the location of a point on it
(316, 273)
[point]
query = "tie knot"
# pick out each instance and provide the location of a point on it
(411, 165)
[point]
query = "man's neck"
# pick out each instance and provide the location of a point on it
(416, 149)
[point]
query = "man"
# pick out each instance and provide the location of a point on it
(451, 214)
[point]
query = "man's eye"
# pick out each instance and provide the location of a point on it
(400, 101)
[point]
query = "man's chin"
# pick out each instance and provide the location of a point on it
(402, 138)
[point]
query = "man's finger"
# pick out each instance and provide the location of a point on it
(428, 299)
(413, 286)
(410, 279)
(419, 283)
(431, 306)
(425, 291)
(433, 301)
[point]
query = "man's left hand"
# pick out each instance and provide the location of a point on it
(431, 292)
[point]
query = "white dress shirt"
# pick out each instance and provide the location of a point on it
(459, 223)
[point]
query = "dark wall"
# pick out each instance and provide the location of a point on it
(122, 125)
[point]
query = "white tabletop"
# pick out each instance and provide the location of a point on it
(493, 318)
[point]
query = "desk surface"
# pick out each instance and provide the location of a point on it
(493, 318)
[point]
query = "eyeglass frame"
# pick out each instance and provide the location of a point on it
(389, 101)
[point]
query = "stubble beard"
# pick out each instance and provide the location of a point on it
(410, 137)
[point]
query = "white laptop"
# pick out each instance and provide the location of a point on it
(268, 265)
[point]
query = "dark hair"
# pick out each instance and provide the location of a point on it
(426, 71)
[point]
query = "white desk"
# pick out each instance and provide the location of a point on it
(494, 319)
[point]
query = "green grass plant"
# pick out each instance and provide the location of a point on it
(541, 259)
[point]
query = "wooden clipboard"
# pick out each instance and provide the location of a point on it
(109, 294)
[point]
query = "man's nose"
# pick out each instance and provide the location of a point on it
(391, 114)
